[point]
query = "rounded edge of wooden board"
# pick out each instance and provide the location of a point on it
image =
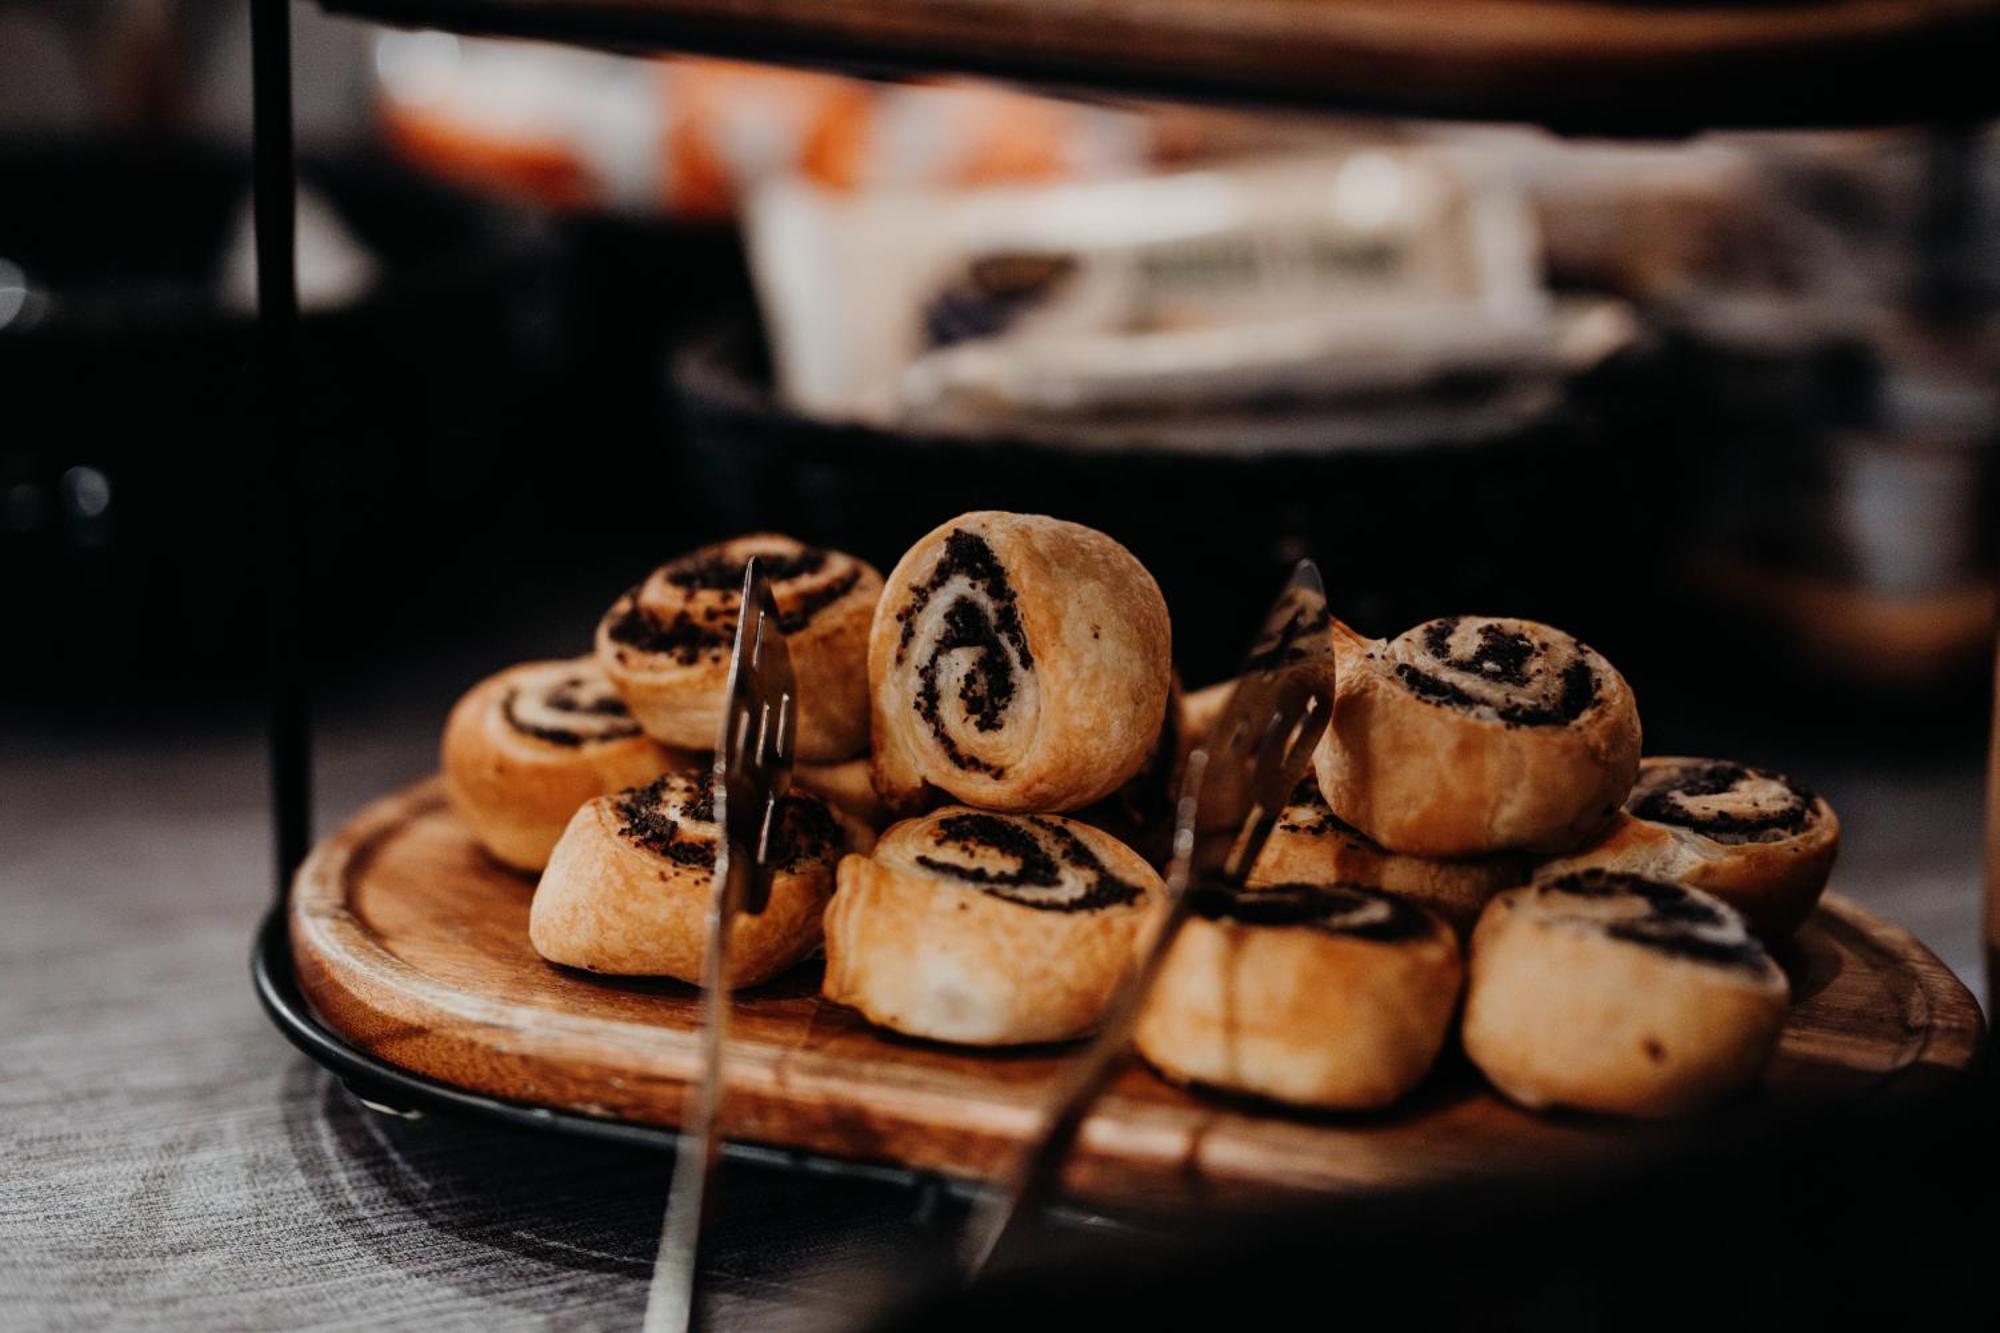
(369, 997)
(385, 1006)
(1953, 1041)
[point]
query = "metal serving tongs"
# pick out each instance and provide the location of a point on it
(1234, 785)
(753, 772)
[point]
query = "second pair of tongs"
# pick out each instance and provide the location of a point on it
(1234, 784)
(753, 774)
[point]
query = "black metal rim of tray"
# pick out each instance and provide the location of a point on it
(396, 1091)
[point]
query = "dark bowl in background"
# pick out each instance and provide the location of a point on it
(491, 454)
(1594, 514)
(1515, 517)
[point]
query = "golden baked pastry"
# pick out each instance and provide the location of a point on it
(847, 786)
(628, 888)
(1200, 709)
(987, 929)
(1312, 845)
(665, 643)
(1140, 814)
(1612, 992)
(1322, 995)
(1755, 839)
(1474, 734)
(524, 748)
(1018, 663)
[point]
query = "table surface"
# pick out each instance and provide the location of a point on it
(172, 1161)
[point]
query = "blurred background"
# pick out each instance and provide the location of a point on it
(1725, 406)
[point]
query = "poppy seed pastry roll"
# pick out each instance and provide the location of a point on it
(524, 748)
(987, 929)
(1755, 839)
(1312, 845)
(1201, 709)
(1018, 663)
(628, 888)
(1334, 996)
(665, 643)
(848, 786)
(1140, 814)
(1611, 992)
(1474, 734)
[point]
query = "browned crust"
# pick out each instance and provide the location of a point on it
(1435, 782)
(517, 792)
(1302, 1015)
(607, 905)
(680, 703)
(1776, 885)
(932, 957)
(1098, 630)
(1558, 1015)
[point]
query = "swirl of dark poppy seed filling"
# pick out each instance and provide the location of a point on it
(711, 570)
(1337, 909)
(1502, 656)
(644, 817)
(1674, 920)
(808, 834)
(709, 627)
(807, 831)
(1307, 812)
(1662, 793)
(1039, 849)
(688, 636)
(991, 628)
(570, 696)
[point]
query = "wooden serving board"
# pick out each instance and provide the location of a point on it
(412, 945)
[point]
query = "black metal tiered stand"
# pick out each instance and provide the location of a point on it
(1594, 66)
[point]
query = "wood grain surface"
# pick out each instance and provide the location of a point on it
(413, 945)
(1590, 63)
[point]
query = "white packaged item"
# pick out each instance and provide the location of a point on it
(1327, 274)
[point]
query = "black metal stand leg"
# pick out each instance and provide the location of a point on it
(1950, 227)
(274, 193)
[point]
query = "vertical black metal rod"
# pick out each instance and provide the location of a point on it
(280, 446)
(1949, 227)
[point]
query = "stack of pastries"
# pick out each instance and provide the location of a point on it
(1479, 845)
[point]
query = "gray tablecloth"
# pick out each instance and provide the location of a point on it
(170, 1160)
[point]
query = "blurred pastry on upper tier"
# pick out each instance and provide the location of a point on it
(524, 748)
(665, 643)
(1477, 734)
(1758, 840)
(1017, 662)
